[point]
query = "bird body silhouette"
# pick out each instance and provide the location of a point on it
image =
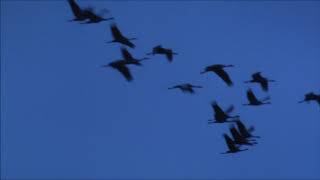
(160, 50)
(253, 101)
(118, 37)
(258, 78)
(231, 145)
(186, 88)
(219, 70)
(221, 116)
(120, 65)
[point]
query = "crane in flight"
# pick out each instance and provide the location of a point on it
(118, 37)
(219, 70)
(311, 96)
(186, 88)
(121, 66)
(253, 100)
(221, 116)
(165, 51)
(263, 81)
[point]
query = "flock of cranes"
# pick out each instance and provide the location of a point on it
(240, 134)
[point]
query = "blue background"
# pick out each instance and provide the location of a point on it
(63, 116)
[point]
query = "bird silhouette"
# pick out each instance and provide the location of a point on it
(219, 70)
(231, 145)
(253, 101)
(263, 81)
(221, 116)
(119, 38)
(126, 55)
(160, 50)
(244, 131)
(79, 14)
(311, 96)
(238, 138)
(120, 65)
(93, 17)
(186, 88)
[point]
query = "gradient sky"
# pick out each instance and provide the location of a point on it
(64, 116)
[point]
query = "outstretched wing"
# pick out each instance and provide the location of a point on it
(243, 130)
(224, 76)
(169, 55)
(124, 70)
(126, 54)
(231, 145)
(216, 108)
(251, 97)
(115, 31)
(76, 10)
(264, 84)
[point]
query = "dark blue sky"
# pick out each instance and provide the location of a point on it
(63, 116)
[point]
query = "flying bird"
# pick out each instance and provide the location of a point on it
(126, 55)
(311, 96)
(93, 17)
(221, 116)
(160, 50)
(78, 13)
(253, 101)
(238, 138)
(219, 70)
(186, 88)
(263, 81)
(119, 38)
(244, 131)
(120, 65)
(231, 145)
